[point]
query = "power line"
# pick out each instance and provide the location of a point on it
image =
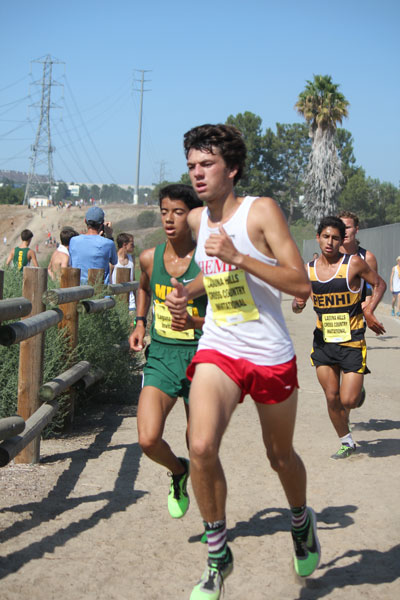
(42, 146)
(142, 81)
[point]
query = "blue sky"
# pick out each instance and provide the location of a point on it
(208, 60)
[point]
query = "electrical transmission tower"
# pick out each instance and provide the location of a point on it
(142, 80)
(42, 149)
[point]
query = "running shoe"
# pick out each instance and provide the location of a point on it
(344, 451)
(362, 398)
(393, 313)
(307, 552)
(211, 582)
(178, 498)
(398, 314)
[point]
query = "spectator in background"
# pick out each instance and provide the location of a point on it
(126, 260)
(22, 255)
(94, 249)
(60, 257)
(395, 287)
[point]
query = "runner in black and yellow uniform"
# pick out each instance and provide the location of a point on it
(339, 349)
(170, 352)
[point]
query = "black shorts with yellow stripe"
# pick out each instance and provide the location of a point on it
(349, 359)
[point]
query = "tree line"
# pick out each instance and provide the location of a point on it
(309, 168)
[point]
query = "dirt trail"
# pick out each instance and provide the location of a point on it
(90, 521)
(13, 219)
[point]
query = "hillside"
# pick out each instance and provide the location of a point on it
(16, 218)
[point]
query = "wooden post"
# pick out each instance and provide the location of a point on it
(31, 361)
(123, 276)
(70, 277)
(96, 279)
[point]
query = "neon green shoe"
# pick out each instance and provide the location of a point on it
(178, 498)
(344, 451)
(307, 553)
(212, 581)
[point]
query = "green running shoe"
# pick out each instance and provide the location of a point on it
(211, 582)
(344, 451)
(178, 498)
(307, 553)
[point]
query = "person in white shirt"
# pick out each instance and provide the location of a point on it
(126, 260)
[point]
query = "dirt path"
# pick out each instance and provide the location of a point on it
(90, 521)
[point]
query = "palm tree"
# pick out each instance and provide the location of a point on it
(322, 106)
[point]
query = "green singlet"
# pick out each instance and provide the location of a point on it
(20, 259)
(160, 284)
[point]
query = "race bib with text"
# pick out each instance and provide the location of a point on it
(163, 323)
(230, 298)
(336, 328)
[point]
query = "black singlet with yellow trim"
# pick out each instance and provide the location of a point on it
(160, 284)
(338, 308)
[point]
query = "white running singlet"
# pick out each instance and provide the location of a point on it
(244, 317)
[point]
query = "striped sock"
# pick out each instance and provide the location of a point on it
(347, 439)
(300, 521)
(216, 539)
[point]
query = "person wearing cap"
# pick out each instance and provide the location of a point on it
(395, 288)
(94, 249)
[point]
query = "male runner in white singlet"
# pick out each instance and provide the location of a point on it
(247, 258)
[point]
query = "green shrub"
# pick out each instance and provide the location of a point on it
(100, 336)
(147, 218)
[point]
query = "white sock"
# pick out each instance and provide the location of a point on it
(347, 439)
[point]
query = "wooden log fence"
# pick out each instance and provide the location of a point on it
(10, 426)
(20, 434)
(14, 308)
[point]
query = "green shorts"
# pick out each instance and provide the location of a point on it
(349, 359)
(166, 367)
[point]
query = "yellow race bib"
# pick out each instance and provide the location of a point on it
(336, 328)
(230, 298)
(163, 322)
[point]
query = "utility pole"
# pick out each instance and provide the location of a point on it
(136, 194)
(42, 149)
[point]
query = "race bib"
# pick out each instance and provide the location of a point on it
(230, 298)
(336, 328)
(163, 322)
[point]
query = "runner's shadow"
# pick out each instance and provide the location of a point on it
(369, 567)
(61, 499)
(272, 520)
(379, 448)
(376, 425)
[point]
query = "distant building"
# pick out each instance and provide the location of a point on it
(36, 201)
(74, 189)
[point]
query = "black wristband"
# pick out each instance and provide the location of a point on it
(140, 319)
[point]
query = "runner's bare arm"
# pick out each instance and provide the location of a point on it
(298, 304)
(177, 301)
(270, 234)
(32, 258)
(10, 257)
(370, 259)
(359, 268)
(143, 299)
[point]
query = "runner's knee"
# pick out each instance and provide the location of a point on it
(281, 461)
(202, 449)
